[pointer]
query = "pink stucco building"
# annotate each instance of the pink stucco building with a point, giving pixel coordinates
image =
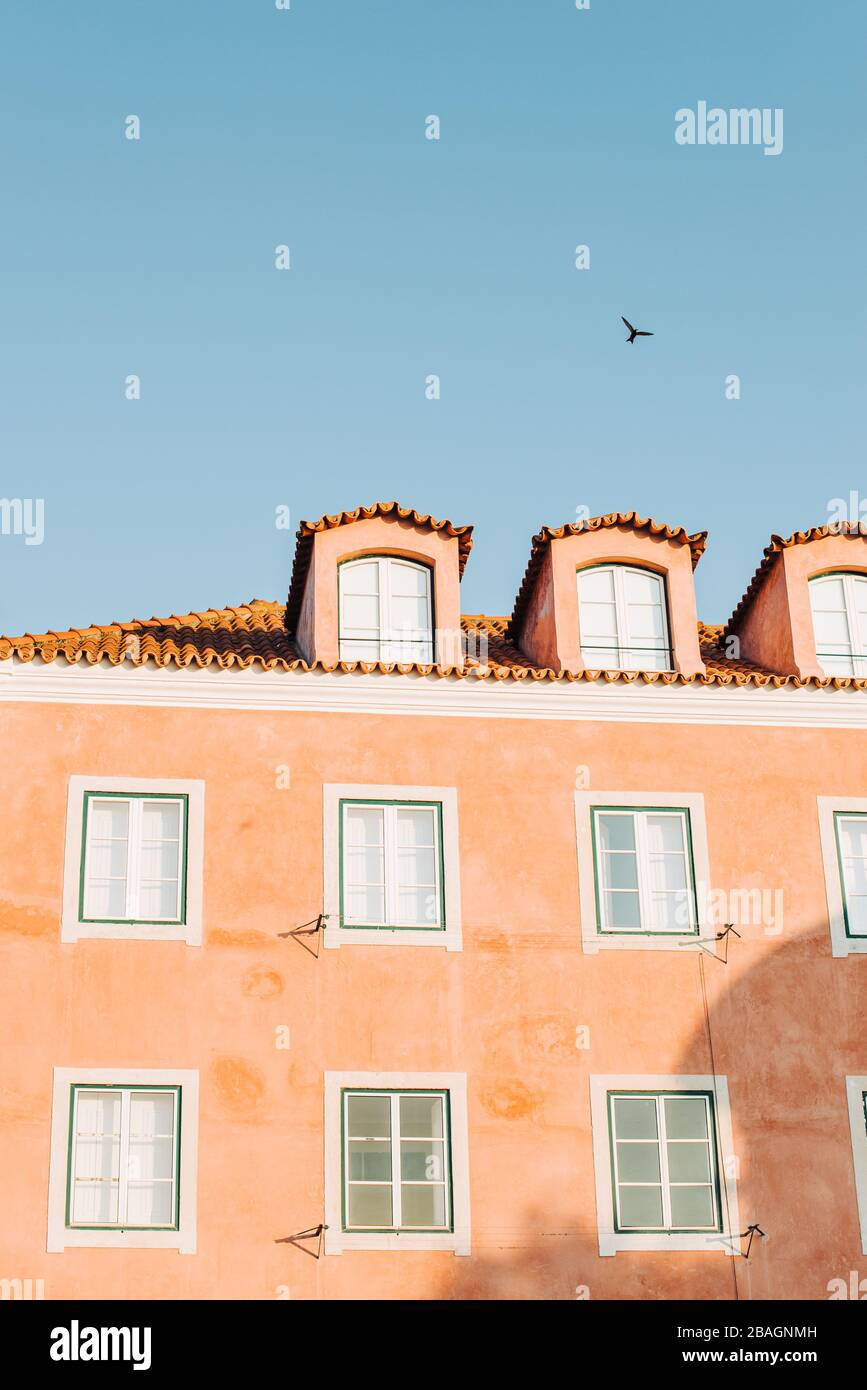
(358, 918)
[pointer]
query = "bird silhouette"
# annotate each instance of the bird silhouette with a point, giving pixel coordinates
(635, 332)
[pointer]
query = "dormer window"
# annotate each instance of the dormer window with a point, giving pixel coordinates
(623, 619)
(839, 603)
(385, 610)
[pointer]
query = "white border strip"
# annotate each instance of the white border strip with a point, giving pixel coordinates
(357, 693)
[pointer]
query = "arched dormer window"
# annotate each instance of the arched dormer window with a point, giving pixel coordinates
(623, 619)
(386, 612)
(839, 603)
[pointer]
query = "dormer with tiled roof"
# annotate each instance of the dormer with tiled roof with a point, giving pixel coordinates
(805, 611)
(378, 584)
(614, 592)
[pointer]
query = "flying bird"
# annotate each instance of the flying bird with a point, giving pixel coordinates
(635, 332)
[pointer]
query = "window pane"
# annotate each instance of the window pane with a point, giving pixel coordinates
(364, 864)
(161, 820)
(423, 1206)
(370, 1159)
(159, 860)
(416, 866)
(105, 899)
(856, 915)
(415, 825)
(622, 911)
(664, 834)
(158, 901)
(688, 1162)
(692, 1206)
(150, 1204)
(422, 1160)
(361, 615)
(621, 870)
(853, 836)
(617, 832)
(361, 578)
(641, 587)
(96, 1158)
(369, 1206)
(640, 1206)
(363, 825)
(365, 905)
(369, 1117)
(596, 586)
(107, 820)
(417, 907)
(635, 1117)
(421, 1116)
(685, 1117)
(107, 859)
(638, 1162)
(408, 580)
(598, 620)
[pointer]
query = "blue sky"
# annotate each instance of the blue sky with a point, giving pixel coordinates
(305, 388)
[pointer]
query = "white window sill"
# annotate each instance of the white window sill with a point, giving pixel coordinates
(390, 936)
(452, 1242)
(593, 944)
(713, 1242)
(127, 931)
(72, 1237)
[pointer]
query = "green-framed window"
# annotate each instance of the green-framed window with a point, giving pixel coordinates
(623, 618)
(386, 609)
(850, 830)
(133, 857)
(839, 606)
(391, 865)
(123, 1168)
(396, 1160)
(664, 1169)
(644, 871)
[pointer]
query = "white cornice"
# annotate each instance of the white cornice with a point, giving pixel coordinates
(356, 693)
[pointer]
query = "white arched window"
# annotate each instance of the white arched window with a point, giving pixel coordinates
(385, 610)
(623, 619)
(839, 603)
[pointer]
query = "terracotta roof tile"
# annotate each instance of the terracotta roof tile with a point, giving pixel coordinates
(391, 510)
(255, 634)
(776, 545)
(540, 543)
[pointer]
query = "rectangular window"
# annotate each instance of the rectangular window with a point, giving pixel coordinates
(124, 1158)
(396, 1161)
(851, 839)
(391, 865)
(643, 870)
(663, 1159)
(133, 858)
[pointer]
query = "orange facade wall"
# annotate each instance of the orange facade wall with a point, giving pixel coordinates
(786, 1021)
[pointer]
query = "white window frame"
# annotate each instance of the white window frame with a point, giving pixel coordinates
(841, 943)
(593, 940)
(618, 570)
(334, 934)
(856, 1087)
(391, 886)
(387, 637)
(73, 926)
(337, 1240)
(612, 1241)
(61, 1236)
(857, 654)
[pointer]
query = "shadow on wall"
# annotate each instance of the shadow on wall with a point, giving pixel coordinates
(786, 1024)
